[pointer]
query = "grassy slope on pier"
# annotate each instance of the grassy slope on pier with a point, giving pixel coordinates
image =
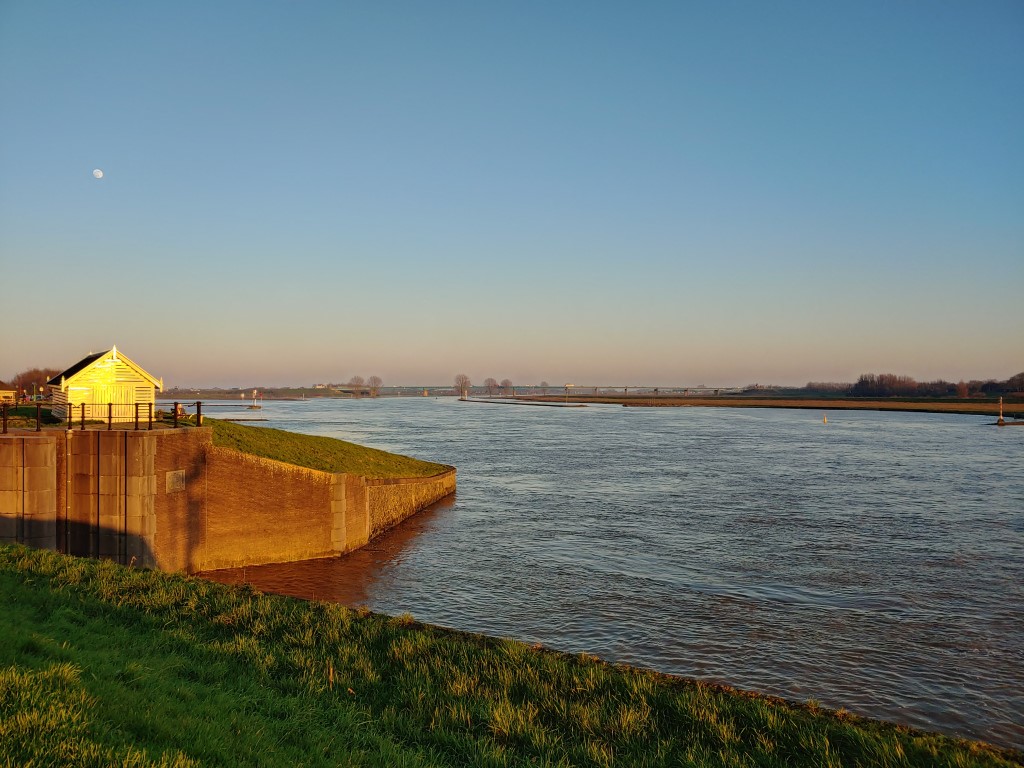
(103, 664)
(323, 453)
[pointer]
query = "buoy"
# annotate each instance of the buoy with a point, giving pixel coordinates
(824, 419)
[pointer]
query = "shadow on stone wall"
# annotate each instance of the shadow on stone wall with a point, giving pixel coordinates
(127, 549)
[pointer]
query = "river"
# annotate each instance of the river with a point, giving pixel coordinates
(874, 563)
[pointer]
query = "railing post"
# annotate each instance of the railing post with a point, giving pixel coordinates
(39, 417)
(110, 416)
(175, 415)
(199, 414)
(150, 415)
(83, 415)
(136, 417)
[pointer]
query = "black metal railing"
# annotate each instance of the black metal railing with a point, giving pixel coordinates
(131, 416)
(125, 415)
(7, 410)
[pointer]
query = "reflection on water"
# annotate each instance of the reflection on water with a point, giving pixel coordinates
(874, 563)
(347, 580)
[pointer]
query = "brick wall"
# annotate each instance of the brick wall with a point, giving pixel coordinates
(263, 511)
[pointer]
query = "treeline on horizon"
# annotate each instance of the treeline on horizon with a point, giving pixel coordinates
(868, 385)
(895, 385)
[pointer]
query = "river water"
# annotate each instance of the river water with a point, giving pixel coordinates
(875, 562)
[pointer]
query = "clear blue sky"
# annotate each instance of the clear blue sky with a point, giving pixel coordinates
(649, 193)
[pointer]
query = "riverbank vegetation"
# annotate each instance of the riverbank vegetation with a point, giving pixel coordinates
(1012, 409)
(981, 408)
(103, 664)
(894, 385)
(327, 454)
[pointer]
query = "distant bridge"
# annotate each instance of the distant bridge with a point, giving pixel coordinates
(606, 389)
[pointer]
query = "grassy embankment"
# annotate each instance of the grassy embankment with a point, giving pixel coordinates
(324, 453)
(102, 664)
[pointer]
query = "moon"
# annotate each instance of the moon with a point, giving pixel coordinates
(98, 174)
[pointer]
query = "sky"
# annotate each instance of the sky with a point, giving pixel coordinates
(657, 193)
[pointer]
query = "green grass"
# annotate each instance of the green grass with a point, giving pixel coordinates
(323, 453)
(102, 664)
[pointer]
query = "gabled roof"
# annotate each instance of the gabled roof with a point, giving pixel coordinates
(81, 365)
(62, 378)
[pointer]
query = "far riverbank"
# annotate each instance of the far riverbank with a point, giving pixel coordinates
(1011, 409)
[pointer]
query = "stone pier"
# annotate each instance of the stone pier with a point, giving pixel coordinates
(170, 499)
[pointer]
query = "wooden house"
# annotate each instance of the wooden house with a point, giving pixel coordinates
(108, 384)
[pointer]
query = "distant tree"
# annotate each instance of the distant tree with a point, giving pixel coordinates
(884, 385)
(989, 388)
(1015, 383)
(357, 384)
(33, 380)
(544, 387)
(832, 387)
(374, 383)
(961, 389)
(506, 387)
(462, 385)
(491, 385)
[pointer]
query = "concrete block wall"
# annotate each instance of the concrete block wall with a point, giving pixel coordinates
(108, 511)
(180, 498)
(28, 490)
(11, 498)
(82, 492)
(111, 494)
(140, 499)
(357, 515)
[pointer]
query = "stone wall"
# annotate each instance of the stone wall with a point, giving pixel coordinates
(172, 500)
(263, 511)
(391, 501)
(179, 499)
